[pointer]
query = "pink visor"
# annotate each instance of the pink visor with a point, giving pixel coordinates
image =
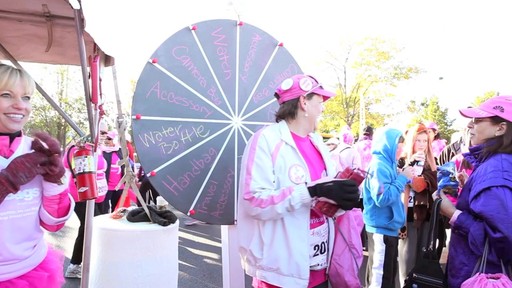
(496, 106)
(300, 85)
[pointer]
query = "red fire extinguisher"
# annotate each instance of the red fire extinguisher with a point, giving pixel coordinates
(85, 171)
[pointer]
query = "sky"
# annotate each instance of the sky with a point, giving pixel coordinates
(465, 43)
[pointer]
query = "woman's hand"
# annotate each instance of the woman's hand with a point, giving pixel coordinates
(447, 208)
(418, 156)
(462, 177)
(408, 172)
(46, 144)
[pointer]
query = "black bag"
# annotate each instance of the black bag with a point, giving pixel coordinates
(427, 272)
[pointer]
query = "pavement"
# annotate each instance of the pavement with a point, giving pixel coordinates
(199, 253)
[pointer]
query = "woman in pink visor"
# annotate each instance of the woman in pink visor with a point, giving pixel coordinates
(286, 167)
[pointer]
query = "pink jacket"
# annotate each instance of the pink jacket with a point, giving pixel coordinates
(438, 146)
(22, 244)
(346, 156)
(364, 147)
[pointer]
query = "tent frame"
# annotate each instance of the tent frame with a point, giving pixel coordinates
(92, 118)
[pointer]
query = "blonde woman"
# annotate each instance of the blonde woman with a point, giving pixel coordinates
(33, 191)
(417, 196)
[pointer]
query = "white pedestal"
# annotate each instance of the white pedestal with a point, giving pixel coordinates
(126, 254)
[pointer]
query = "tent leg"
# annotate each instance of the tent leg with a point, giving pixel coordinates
(233, 275)
(89, 214)
(86, 263)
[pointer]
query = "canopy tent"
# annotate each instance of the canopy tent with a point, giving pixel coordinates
(52, 32)
(43, 31)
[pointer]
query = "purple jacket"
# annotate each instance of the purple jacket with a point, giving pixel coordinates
(486, 205)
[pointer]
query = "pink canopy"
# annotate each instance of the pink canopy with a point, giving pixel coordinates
(43, 31)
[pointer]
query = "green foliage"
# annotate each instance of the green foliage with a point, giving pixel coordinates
(430, 110)
(66, 92)
(480, 99)
(362, 84)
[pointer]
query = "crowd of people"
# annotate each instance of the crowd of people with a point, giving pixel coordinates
(292, 194)
(287, 171)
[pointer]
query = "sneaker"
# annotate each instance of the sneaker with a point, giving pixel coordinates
(74, 271)
(191, 221)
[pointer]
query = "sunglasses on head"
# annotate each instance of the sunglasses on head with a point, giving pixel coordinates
(306, 84)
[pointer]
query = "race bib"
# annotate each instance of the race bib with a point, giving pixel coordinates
(319, 246)
(102, 187)
(410, 202)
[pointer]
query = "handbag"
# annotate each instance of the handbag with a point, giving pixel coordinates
(347, 255)
(356, 174)
(427, 272)
(482, 279)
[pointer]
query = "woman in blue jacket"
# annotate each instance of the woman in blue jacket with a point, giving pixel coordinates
(484, 207)
(384, 212)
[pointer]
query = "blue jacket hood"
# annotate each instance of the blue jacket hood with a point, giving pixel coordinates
(384, 211)
(385, 144)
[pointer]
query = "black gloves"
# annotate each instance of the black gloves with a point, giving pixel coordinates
(342, 191)
(160, 217)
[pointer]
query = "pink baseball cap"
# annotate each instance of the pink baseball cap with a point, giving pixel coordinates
(431, 125)
(112, 134)
(300, 85)
(500, 106)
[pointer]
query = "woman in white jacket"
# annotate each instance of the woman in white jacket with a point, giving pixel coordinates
(286, 167)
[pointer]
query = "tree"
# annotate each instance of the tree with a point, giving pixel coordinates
(62, 82)
(487, 95)
(430, 110)
(362, 84)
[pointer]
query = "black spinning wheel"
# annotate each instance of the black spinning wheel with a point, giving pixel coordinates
(198, 100)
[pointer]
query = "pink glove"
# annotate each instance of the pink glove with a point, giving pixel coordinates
(20, 171)
(57, 206)
(46, 144)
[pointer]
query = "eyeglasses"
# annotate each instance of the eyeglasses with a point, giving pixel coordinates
(479, 120)
(103, 132)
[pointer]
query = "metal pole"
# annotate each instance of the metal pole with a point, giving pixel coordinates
(89, 212)
(362, 115)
